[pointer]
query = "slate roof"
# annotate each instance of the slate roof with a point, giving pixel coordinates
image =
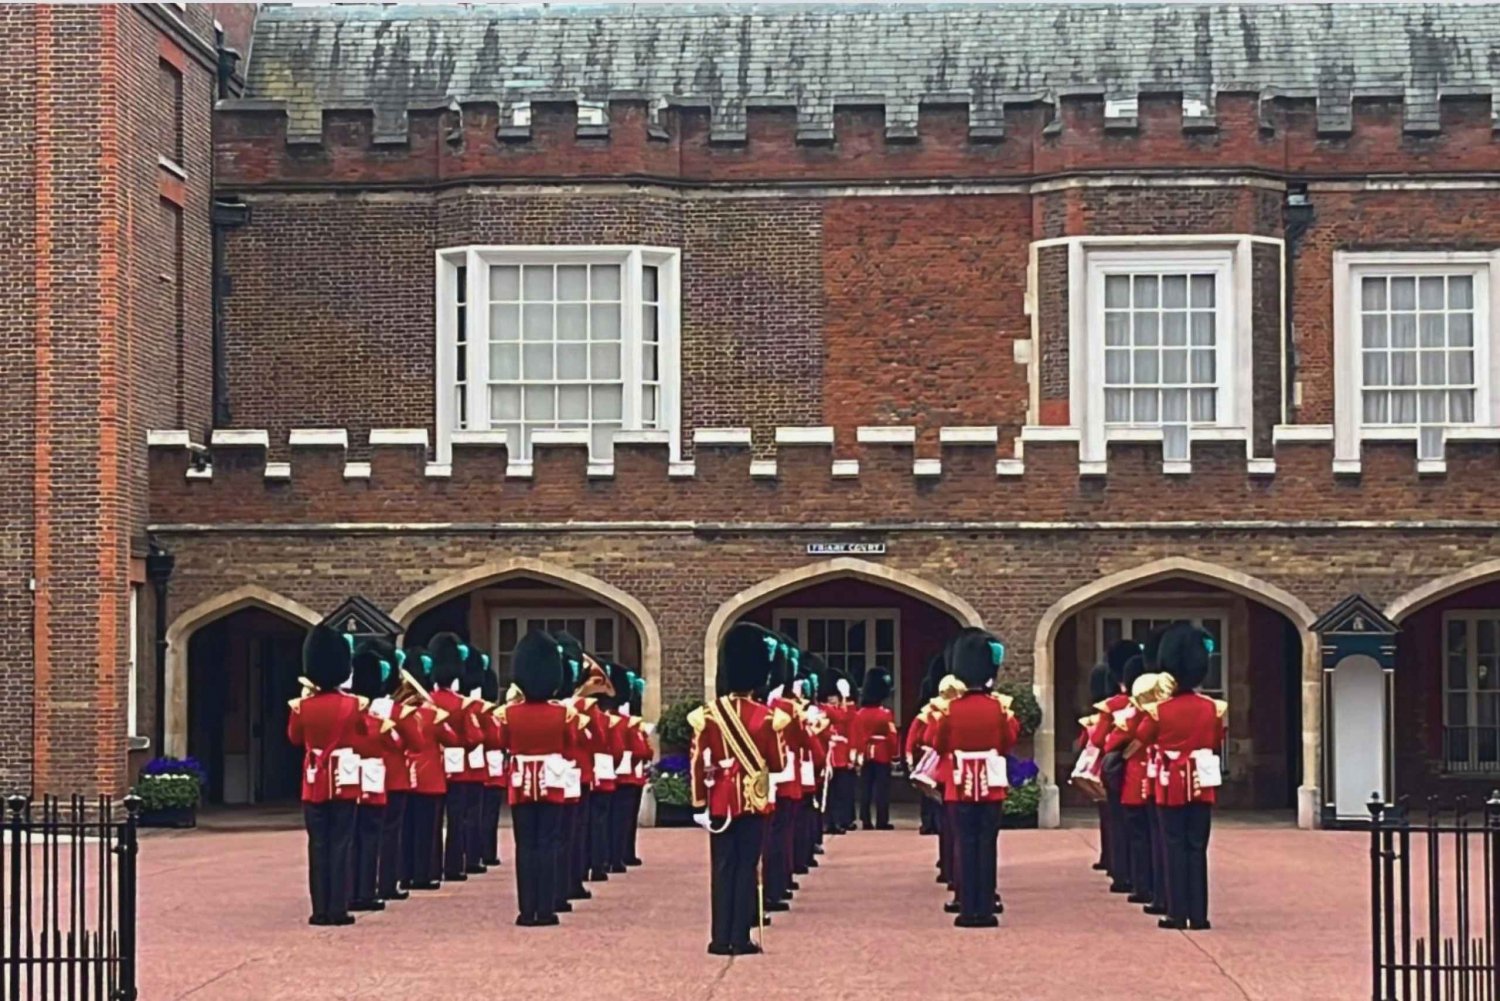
(388, 59)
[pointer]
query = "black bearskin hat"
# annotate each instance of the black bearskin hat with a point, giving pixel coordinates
(537, 666)
(475, 668)
(1184, 655)
(448, 656)
(976, 658)
(1119, 652)
(815, 671)
(419, 664)
(572, 652)
(327, 657)
(746, 658)
(784, 668)
(368, 680)
(1151, 649)
(1134, 668)
(390, 678)
(876, 689)
(933, 677)
(1099, 686)
(619, 680)
(832, 688)
(489, 681)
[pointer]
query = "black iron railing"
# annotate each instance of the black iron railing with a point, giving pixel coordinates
(67, 900)
(1435, 902)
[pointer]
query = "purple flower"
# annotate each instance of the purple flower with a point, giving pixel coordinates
(1021, 770)
(673, 763)
(175, 766)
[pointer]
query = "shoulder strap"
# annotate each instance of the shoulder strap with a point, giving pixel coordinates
(736, 736)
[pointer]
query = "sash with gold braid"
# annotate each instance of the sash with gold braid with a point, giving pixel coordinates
(755, 780)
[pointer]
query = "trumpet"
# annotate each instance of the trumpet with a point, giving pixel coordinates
(410, 692)
(595, 681)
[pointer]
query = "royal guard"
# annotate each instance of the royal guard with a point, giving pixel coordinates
(1099, 690)
(786, 786)
(580, 697)
(974, 734)
(810, 765)
(371, 676)
(333, 730)
(1138, 766)
(917, 745)
(622, 748)
(735, 749)
(398, 780)
(463, 765)
(635, 766)
(841, 765)
(1116, 657)
(492, 799)
(874, 737)
(594, 698)
(567, 885)
(425, 732)
(537, 732)
(1188, 731)
(1158, 906)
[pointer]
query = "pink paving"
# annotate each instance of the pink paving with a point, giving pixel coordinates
(223, 920)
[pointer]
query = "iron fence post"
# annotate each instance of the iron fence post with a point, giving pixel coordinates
(128, 850)
(1377, 809)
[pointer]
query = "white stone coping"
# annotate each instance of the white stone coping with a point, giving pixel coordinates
(572, 439)
(318, 438)
(969, 436)
(240, 439)
(518, 470)
(489, 438)
(681, 470)
(927, 467)
(1176, 467)
(804, 436)
(845, 468)
(601, 470)
(1010, 467)
(739, 437)
(896, 434)
(647, 437)
(168, 439)
(399, 436)
(762, 469)
(1346, 467)
(206, 473)
(356, 470)
(1051, 432)
(1432, 467)
(1260, 467)
(438, 470)
(279, 470)
(1302, 432)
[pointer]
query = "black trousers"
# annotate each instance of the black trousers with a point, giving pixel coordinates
(632, 856)
(490, 805)
(841, 791)
(1119, 840)
(929, 816)
(1138, 830)
(600, 804)
(622, 810)
(461, 826)
(801, 844)
(437, 836)
(581, 827)
(1159, 893)
(979, 854)
(419, 838)
(734, 857)
(876, 790)
(392, 831)
(778, 870)
(948, 860)
(1187, 829)
(368, 823)
(537, 828)
(330, 841)
(563, 886)
(1103, 808)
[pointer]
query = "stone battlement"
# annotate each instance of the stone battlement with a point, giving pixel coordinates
(878, 478)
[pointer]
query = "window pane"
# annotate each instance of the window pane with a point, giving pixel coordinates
(648, 323)
(573, 403)
(1377, 408)
(505, 323)
(1116, 291)
(885, 635)
(650, 276)
(1117, 367)
(572, 282)
(1372, 294)
(1145, 291)
(572, 360)
(1461, 330)
(536, 323)
(604, 635)
(505, 403)
(505, 362)
(1174, 329)
(537, 280)
(604, 361)
(1174, 367)
(1434, 367)
(1174, 406)
(572, 322)
(1403, 330)
(649, 416)
(1205, 406)
(817, 634)
(1117, 405)
(1403, 293)
(1375, 331)
(1430, 292)
(1460, 292)
(1146, 328)
(856, 636)
(608, 404)
(1377, 371)
(1431, 330)
(1203, 328)
(1174, 292)
(539, 403)
(648, 362)
(1204, 291)
(1403, 368)
(536, 362)
(1145, 403)
(605, 280)
(836, 635)
(1145, 367)
(1116, 328)
(605, 322)
(505, 286)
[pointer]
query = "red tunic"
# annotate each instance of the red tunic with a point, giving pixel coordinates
(873, 734)
(974, 734)
(839, 753)
(538, 736)
(1178, 727)
(715, 771)
(462, 764)
(1105, 723)
(494, 751)
(587, 744)
(1135, 788)
(787, 778)
(334, 733)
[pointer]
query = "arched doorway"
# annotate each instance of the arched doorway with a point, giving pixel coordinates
(855, 615)
(494, 604)
(1446, 718)
(1266, 667)
(232, 665)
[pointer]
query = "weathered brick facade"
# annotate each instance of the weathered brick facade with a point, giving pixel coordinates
(901, 279)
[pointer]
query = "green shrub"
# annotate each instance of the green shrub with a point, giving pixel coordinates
(1024, 800)
(1023, 704)
(672, 730)
(671, 789)
(168, 792)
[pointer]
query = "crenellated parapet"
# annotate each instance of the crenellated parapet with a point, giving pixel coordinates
(883, 476)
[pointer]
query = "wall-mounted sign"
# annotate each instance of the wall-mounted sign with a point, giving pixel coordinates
(846, 549)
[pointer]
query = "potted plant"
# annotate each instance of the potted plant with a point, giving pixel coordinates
(671, 789)
(1024, 799)
(170, 790)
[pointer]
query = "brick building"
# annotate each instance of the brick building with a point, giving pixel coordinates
(866, 322)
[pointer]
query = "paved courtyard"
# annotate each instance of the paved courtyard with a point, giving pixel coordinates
(223, 919)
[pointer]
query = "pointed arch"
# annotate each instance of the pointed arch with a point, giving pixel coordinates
(181, 631)
(1436, 590)
(439, 591)
(815, 573)
(1229, 579)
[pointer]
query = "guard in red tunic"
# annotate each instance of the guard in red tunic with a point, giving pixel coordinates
(427, 734)
(334, 732)
(876, 742)
(1138, 765)
(492, 799)
(810, 765)
(786, 786)
(841, 759)
(917, 744)
(1099, 690)
(1188, 730)
(537, 732)
(974, 734)
(630, 775)
(464, 765)
(370, 680)
(622, 753)
(734, 751)
(1115, 658)
(567, 885)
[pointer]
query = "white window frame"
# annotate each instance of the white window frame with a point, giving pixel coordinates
(1089, 260)
(133, 649)
(1471, 617)
(1349, 268)
(591, 614)
(869, 616)
(1194, 614)
(632, 259)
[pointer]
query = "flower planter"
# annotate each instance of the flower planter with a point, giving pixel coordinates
(1017, 821)
(177, 816)
(673, 815)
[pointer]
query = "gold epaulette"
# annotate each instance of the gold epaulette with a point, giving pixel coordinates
(1004, 700)
(570, 714)
(583, 722)
(1088, 722)
(1221, 707)
(1122, 717)
(780, 720)
(364, 703)
(386, 726)
(296, 704)
(698, 719)
(438, 715)
(1153, 709)
(822, 725)
(500, 712)
(1103, 706)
